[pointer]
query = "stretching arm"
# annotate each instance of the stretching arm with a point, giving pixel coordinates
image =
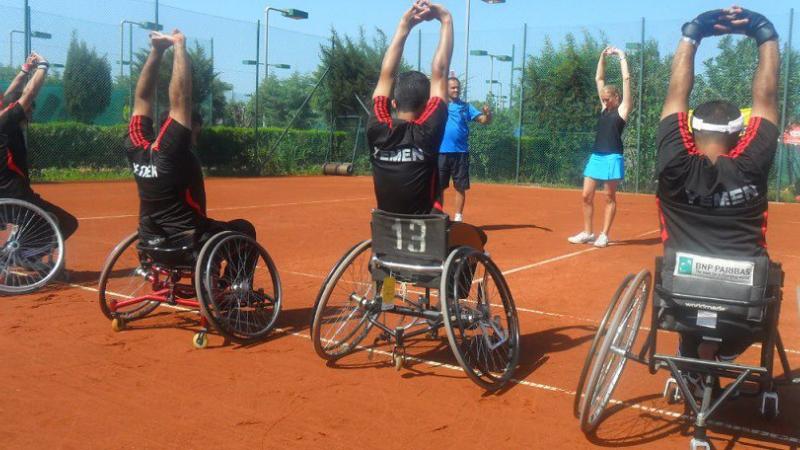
(681, 80)
(394, 53)
(444, 53)
(765, 82)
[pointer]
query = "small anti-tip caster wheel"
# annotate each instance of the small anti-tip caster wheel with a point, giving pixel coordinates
(200, 340)
(117, 324)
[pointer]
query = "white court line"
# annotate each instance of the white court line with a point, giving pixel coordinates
(233, 208)
(540, 386)
(567, 256)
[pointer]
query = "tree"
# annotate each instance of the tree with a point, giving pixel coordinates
(280, 98)
(354, 67)
(87, 82)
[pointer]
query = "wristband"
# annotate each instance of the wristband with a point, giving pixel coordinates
(690, 40)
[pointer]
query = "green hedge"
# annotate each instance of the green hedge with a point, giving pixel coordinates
(223, 150)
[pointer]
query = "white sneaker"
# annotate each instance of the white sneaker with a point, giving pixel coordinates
(458, 218)
(601, 241)
(581, 238)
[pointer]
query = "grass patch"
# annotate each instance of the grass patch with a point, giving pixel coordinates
(53, 174)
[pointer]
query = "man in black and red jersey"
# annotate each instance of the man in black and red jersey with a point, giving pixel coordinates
(17, 103)
(405, 148)
(712, 180)
(168, 175)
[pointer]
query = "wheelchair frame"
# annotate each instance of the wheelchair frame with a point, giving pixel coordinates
(26, 212)
(425, 274)
(677, 388)
(169, 286)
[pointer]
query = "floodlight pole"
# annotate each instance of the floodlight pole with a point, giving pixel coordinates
(258, 55)
(466, 56)
(511, 82)
(27, 29)
(786, 78)
(11, 46)
(521, 102)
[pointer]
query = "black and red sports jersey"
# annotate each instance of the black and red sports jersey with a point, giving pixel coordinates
(14, 181)
(169, 178)
(717, 209)
(404, 157)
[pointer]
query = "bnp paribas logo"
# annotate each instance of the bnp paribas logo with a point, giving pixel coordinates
(685, 265)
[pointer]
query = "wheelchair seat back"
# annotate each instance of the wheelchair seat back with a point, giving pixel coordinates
(713, 293)
(410, 248)
(174, 251)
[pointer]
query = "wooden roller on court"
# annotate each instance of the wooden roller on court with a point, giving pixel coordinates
(335, 168)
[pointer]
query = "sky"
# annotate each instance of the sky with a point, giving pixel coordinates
(232, 26)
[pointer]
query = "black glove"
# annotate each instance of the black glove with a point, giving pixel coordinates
(758, 27)
(703, 25)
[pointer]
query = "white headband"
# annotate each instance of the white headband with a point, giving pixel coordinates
(732, 127)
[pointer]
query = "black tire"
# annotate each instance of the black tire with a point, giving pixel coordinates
(239, 287)
(485, 344)
(600, 334)
(125, 276)
(31, 247)
(341, 317)
(621, 335)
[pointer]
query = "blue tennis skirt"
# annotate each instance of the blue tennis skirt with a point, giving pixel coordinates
(605, 167)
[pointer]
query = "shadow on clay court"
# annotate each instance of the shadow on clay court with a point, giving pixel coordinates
(512, 227)
(638, 428)
(289, 321)
(642, 242)
(534, 348)
(622, 426)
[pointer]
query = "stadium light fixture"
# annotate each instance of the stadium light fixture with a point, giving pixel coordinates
(34, 34)
(280, 66)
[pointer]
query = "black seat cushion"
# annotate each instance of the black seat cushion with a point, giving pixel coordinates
(175, 251)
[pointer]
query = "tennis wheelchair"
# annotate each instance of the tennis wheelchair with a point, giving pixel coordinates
(31, 247)
(230, 278)
(392, 284)
(710, 299)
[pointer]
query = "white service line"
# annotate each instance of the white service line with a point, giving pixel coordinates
(567, 256)
(233, 208)
(531, 384)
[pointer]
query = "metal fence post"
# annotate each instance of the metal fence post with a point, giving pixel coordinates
(419, 50)
(521, 102)
(786, 76)
(211, 89)
(27, 31)
(639, 112)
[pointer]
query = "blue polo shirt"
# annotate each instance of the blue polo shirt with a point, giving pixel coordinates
(456, 133)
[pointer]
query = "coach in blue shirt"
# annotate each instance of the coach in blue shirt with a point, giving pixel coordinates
(454, 151)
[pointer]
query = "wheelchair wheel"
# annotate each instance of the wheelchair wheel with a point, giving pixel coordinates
(31, 247)
(126, 275)
(239, 288)
(612, 353)
(602, 329)
(341, 315)
(479, 317)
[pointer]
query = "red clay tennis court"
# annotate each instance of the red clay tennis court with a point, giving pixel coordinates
(72, 382)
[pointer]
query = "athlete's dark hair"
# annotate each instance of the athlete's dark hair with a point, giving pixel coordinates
(454, 79)
(411, 91)
(717, 112)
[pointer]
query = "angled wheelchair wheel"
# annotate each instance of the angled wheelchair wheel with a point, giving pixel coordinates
(31, 247)
(239, 288)
(602, 330)
(344, 305)
(127, 276)
(612, 353)
(479, 317)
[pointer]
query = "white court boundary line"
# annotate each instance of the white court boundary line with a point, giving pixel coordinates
(235, 208)
(540, 386)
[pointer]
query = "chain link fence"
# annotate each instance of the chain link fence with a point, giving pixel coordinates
(301, 103)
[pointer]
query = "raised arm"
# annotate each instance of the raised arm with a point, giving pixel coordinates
(18, 82)
(765, 81)
(35, 83)
(709, 23)
(146, 85)
(444, 52)
(394, 53)
(600, 76)
(627, 95)
(681, 80)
